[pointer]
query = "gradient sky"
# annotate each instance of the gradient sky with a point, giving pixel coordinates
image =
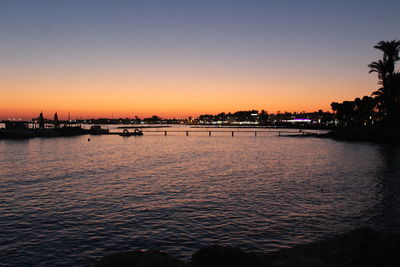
(184, 58)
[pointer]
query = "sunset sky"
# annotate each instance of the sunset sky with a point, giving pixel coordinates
(184, 58)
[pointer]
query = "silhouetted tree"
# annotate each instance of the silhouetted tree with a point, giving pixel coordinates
(390, 51)
(263, 117)
(153, 120)
(396, 92)
(364, 110)
(387, 96)
(345, 112)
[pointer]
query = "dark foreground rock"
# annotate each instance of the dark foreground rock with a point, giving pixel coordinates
(226, 256)
(139, 259)
(361, 247)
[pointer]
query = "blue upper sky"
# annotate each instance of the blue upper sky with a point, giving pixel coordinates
(249, 37)
(264, 29)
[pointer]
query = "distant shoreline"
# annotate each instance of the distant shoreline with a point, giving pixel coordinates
(296, 127)
(142, 127)
(389, 136)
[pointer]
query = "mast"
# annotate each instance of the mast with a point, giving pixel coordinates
(56, 121)
(41, 120)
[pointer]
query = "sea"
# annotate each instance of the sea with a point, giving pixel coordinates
(68, 201)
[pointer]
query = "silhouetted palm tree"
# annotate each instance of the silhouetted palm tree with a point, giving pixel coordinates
(386, 99)
(381, 68)
(390, 51)
(395, 84)
(387, 95)
(379, 97)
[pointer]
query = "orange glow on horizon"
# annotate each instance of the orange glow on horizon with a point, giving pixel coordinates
(168, 97)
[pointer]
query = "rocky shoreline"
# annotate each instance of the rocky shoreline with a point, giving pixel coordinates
(360, 247)
(374, 135)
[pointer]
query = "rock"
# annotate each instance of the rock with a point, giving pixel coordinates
(361, 247)
(140, 259)
(376, 135)
(218, 256)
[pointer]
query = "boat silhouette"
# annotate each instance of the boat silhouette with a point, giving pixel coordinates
(96, 129)
(136, 132)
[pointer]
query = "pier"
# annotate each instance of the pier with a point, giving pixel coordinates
(232, 132)
(21, 130)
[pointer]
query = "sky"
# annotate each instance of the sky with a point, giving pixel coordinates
(175, 58)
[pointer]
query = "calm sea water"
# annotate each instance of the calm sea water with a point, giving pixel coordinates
(67, 201)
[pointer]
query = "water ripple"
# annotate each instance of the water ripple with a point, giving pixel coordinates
(84, 200)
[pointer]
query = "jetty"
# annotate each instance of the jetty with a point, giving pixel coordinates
(41, 127)
(230, 132)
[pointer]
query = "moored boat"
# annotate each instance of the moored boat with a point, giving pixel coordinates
(96, 129)
(72, 131)
(16, 130)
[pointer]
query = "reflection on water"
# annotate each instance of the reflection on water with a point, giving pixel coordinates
(68, 196)
(388, 175)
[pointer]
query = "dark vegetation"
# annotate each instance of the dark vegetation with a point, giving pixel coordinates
(374, 118)
(382, 108)
(361, 247)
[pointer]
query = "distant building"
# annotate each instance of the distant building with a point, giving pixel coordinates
(16, 125)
